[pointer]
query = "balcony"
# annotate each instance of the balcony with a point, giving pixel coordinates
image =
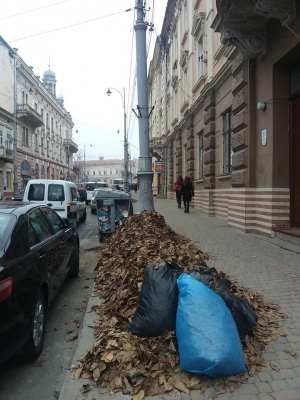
(6, 154)
(30, 115)
(243, 23)
(72, 146)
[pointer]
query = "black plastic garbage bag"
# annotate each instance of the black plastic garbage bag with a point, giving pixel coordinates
(157, 305)
(204, 275)
(243, 313)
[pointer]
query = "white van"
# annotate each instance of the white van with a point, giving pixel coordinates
(90, 187)
(61, 196)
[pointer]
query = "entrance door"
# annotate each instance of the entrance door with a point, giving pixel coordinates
(295, 164)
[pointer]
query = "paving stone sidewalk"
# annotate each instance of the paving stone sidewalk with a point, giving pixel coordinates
(268, 266)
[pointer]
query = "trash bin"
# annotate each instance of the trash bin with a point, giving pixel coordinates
(113, 206)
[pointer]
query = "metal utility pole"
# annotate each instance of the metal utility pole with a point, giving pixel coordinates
(145, 173)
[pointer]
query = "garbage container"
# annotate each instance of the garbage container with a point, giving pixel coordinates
(113, 206)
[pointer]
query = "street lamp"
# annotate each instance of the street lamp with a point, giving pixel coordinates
(125, 138)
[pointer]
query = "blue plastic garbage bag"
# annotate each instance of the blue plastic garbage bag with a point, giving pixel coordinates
(207, 336)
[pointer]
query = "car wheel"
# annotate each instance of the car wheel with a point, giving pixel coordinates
(83, 218)
(74, 263)
(35, 344)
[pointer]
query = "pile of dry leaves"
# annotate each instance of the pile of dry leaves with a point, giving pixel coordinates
(120, 361)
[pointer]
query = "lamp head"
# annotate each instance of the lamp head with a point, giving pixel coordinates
(108, 92)
(261, 105)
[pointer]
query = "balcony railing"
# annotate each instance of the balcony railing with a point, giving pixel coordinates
(30, 114)
(72, 146)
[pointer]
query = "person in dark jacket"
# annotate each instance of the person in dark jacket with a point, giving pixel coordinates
(187, 193)
(177, 188)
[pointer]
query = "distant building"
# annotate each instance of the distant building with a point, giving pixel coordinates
(103, 170)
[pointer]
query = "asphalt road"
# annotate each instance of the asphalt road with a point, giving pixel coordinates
(43, 379)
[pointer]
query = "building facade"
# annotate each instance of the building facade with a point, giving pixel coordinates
(103, 170)
(35, 128)
(225, 85)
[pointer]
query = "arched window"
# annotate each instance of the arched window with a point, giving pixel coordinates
(36, 171)
(43, 171)
(25, 168)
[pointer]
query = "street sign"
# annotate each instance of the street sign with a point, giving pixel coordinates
(68, 177)
(158, 167)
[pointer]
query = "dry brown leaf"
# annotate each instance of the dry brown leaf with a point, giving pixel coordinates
(275, 367)
(141, 239)
(181, 386)
(291, 352)
(96, 374)
(139, 396)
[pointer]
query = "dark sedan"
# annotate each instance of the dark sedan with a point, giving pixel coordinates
(37, 252)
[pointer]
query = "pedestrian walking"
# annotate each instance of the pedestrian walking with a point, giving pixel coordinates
(177, 188)
(187, 193)
(135, 187)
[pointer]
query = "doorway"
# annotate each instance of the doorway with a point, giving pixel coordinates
(294, 162)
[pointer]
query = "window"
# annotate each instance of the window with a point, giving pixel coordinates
(48, 148)
(55, 221)
(25, 136)
(186, 86)
(36, 192)
(42, 145)
(38, 230)
(47, 120)
(1, 138)
(36, 142)
(200, 58)
(19, 243)
(56, 192)
(201, 160)
(227, 150)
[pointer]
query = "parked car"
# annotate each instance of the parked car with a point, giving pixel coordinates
(91, 186)
(93, 200)
(38, 251)
(61, 196)
(18, 196)
(82, 191)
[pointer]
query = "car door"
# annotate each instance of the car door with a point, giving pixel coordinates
(56, 198)
(18, 270)
(65, 240)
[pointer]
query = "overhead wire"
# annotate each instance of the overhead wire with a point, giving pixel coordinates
(71, 26)
(32, 10)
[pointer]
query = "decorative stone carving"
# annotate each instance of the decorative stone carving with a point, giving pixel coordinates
(250, 41)
(183, 58)
(249, 36)
(285, 10)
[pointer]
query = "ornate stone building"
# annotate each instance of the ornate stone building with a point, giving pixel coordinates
(35, 128)
(225, 85)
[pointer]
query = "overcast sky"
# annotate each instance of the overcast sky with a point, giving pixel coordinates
(91, 46)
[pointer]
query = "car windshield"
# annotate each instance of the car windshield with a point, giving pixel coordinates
(7, 222)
